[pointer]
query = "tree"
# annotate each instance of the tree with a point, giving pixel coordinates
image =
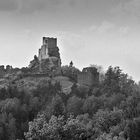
(104, 120)
(112, 78)
(7, 127)
(70, 72)
(34, 107)
(117, 82)
(74, 105)
(114, 101)
(130, 107)
(132, 129)
(92, 104)
(100, 70)
(10, 105)
(57, 128)
(57, 106)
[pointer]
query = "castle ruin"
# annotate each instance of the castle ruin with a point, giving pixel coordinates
(88, 77)
(48, 63)
(48, 49)
(48, 59)
(7, 70)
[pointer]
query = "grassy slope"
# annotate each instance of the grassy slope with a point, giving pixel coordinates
(30, 83)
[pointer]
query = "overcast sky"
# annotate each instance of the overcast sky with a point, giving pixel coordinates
(102, 32)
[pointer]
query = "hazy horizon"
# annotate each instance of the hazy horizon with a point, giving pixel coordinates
(102, 32)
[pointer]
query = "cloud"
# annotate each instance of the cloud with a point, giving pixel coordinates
(27, 5)
(93, 28)
(127, 8)
(105, 27)
(30, 6)
(132, 7)
(108, 27)
(73, 40)
(8, 5)
(124, 30)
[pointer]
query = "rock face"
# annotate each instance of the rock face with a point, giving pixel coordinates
(48, 60)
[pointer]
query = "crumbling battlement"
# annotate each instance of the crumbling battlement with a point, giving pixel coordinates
(88, 77)
(7, 70)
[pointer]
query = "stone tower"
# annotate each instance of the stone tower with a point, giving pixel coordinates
(47, 45)
(48, 60)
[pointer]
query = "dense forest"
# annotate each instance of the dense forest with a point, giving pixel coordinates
(108, 111)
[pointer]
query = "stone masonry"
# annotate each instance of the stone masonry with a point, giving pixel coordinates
(48, 59)
(88, 77)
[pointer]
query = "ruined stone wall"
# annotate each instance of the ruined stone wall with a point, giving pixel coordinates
(85, 79)
(7, 70)
(50, 65)
(43, 52)
(88, 77)
(2, 71)
(52, 42)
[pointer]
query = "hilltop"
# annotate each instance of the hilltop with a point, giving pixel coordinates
(48, 101)
(47, 66)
